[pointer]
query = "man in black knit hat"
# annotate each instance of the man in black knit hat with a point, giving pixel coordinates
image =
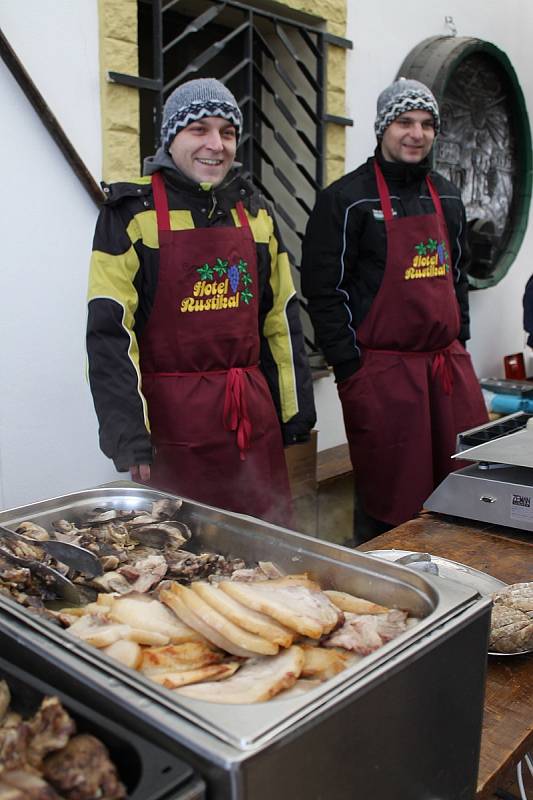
(195, 349)
(384, 272)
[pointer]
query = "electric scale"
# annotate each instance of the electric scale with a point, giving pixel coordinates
(498, 486)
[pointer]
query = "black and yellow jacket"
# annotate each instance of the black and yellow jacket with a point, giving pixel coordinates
(122, 285)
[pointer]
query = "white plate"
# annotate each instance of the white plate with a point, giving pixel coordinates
(485, 584)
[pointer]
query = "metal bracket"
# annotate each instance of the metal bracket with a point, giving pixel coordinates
(135, 81)
(346, 121)
(451, 25)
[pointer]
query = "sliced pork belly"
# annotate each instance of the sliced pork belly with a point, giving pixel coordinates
(128, 653)
(365, 633)
(175, 657)
(322, 664)
(213, 672)
(242, 616)
(171, 596)
(140, 611)
(234, 633)
(257, 681)
(97, 630)
(294, 601)
(354, 605)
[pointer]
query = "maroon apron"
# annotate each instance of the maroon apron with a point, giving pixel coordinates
(416, 388)
(214, 427)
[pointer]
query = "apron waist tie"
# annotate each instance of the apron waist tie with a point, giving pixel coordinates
(235, 416)
(441, 363)
(236, 409)
(442, 367)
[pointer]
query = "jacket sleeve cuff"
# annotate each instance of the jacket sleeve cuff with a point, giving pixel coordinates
(141, 455)
(345, 370)
(290, 437)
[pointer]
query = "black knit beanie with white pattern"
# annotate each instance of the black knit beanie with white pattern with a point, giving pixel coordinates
(202, 97)
(404, 95)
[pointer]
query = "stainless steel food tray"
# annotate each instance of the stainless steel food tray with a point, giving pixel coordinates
(433, 600)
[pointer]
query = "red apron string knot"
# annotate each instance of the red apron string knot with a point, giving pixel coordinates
(442, 367)
(235, 409)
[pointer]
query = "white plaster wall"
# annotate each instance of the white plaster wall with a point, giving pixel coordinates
(48, 431)
(383, 33)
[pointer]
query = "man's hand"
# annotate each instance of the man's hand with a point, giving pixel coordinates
(140, 472)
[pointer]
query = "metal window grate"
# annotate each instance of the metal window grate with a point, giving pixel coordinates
(275, 67)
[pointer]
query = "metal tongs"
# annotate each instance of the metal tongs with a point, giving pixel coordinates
(418, 561)
(72, 555)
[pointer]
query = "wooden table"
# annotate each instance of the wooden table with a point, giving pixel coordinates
(506, 554)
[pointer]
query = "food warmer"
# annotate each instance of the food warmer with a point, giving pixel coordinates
(148, 771)
(402, 723)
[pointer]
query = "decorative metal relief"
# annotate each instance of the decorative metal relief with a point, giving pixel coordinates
(477, 152)
(484, 146)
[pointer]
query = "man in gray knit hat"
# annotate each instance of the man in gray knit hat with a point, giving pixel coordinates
(385, 273)
(196, 355)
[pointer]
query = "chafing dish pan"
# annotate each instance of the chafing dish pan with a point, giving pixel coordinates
(147, 771)
(372, 727)
(240, 536)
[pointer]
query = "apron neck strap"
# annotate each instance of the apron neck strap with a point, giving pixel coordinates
(384, 197)
(383, 191)
(243, 219)
(161, 205)
(434, 196)
(160, 202)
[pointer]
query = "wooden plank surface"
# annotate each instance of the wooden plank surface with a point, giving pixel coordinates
(506, 554)
(333, 463)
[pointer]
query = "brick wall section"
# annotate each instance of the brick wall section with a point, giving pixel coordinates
(120, 104)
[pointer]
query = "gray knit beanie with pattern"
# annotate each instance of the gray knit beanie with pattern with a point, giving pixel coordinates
(202, 97)
(404, 95)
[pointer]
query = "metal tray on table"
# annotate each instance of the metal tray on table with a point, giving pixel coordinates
(427, 597)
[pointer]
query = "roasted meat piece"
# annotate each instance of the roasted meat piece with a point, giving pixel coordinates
(30, 786)
(13, 742)
(5, 699)
(364, 633)
(49, 729)
(83, 771)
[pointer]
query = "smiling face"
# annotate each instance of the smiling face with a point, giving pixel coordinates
(205, 150)
(409, 138)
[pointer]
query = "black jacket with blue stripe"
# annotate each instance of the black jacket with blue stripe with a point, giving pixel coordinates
(345, 251)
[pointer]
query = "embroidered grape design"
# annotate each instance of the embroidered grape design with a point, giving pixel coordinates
(440, 252)
(233, 275)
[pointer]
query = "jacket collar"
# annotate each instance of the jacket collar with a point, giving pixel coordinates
(398, 172)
